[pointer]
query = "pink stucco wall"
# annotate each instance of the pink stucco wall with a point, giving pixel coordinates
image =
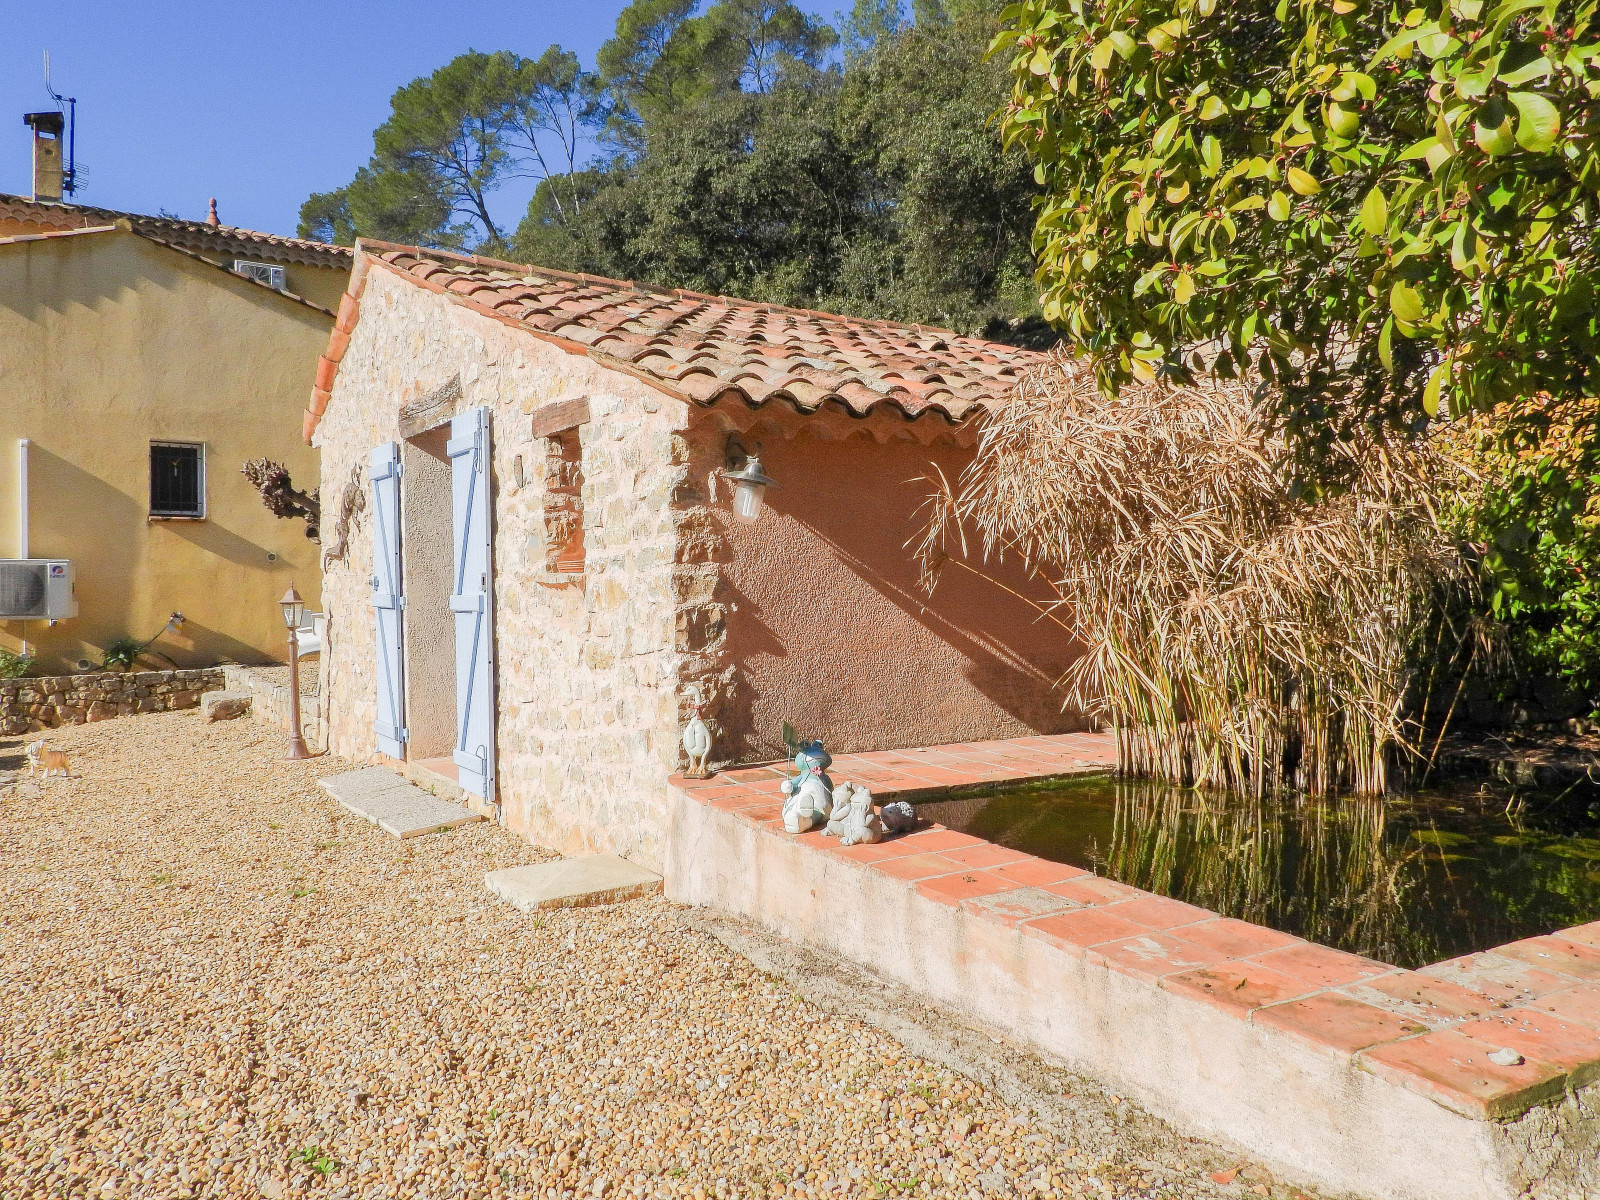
(828, 627)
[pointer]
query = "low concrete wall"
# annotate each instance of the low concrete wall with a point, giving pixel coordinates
(1230, 1030)
(29, 705)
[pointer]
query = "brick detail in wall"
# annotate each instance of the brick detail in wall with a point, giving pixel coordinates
(563, 503)
(29, 705)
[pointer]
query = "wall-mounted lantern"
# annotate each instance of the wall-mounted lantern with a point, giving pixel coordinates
(750, 482)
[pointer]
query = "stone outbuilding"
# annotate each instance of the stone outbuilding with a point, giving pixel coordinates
(532, 566)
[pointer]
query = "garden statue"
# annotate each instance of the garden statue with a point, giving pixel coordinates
(697, 739)
(808, 796)
(862, 826)
(898, 817)
(840, 815)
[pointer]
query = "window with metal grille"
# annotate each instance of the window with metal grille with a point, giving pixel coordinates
(177, 480)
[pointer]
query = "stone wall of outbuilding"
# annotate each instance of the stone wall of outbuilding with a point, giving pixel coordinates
(588, 663)
(50, 701)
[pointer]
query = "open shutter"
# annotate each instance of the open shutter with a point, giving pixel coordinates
(387, 599)
(472, 602)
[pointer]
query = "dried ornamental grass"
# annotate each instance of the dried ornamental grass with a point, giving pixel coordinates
(1235, 634)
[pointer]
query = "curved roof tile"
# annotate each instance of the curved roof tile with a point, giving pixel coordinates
(706, 348)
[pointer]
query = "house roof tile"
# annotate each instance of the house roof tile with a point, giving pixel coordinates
(29, 216)
(710, 348)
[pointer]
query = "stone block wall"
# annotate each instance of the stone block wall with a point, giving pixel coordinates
(269, 699)
(588, 660)
(29, 705)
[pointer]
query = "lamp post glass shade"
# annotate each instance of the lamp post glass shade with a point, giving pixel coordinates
(294, 608)
(749, 490)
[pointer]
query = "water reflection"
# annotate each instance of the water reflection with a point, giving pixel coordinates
(1408, 880)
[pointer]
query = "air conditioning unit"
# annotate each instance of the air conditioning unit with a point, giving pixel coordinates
(36, 589)
(273, 277)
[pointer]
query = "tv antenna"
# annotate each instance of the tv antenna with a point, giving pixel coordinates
(69, 177)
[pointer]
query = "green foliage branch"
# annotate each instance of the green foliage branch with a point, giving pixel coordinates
(1385, 213)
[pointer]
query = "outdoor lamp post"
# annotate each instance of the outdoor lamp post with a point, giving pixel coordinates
(294, 609)
(749, 489)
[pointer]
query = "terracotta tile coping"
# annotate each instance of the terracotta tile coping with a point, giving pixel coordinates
(1432, 1031)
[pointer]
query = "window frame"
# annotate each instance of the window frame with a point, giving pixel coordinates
(200, 480)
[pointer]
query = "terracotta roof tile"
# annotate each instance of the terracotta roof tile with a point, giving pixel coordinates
(24, 215)
(709, 348)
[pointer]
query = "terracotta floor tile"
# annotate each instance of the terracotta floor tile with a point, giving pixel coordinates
(1433, 1002)
(1237, 938)
(917, 866)
(755, 774)
(943, 839)
(1588, 935)
(1579, 1005)
(1573, 1048)
(1556, 954)
(875, 851)
(1336, 1022)
(1019, 904)
(1322, 966)
(1152, 955)
(1499, 977)
(1162, 912)
(1236, 987)
(1455, 1070)
(736, 799)
(986, 855)
(760, 814)
(1095, 889)
(953, 889)
(1081, 928)
(1037, 872)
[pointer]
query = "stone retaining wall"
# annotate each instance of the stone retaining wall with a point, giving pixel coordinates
(29, 705)
(269, 699)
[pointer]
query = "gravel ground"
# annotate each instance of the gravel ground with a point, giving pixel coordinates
(215, 982)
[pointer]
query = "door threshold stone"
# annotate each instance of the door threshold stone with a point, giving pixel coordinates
(572, 882)
(395, 806)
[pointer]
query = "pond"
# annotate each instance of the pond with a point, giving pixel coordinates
(1408, 880)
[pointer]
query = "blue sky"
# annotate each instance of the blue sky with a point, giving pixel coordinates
(256, 104)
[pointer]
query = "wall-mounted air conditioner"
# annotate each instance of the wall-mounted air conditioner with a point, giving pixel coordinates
(36, 589)
(273, 277)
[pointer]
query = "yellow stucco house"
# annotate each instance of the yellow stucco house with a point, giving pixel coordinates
(143, 361)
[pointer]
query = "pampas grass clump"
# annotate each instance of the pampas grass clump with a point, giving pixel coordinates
(1235, 635)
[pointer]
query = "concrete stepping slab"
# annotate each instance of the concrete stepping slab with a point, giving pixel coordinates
(394, 805)
(572, 882)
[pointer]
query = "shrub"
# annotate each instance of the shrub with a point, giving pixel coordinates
(14, 665)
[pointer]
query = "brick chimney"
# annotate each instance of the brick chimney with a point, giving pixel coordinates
(47, 127)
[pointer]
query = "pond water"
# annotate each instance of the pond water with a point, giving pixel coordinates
(1408, 880)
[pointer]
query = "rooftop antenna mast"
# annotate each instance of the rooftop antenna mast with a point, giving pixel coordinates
(69, 177)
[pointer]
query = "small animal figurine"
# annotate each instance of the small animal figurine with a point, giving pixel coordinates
(808, 796)
(43, 760)
(898, 817)
(862, 826)
(840, 816)
(697, 739)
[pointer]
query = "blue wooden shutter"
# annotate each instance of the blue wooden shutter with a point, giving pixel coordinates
(387, 598)
(472, 602)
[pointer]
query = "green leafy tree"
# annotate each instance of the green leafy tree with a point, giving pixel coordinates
(881, 190)
(385, 203)
(454, 136)
(446, 128)
(1539, 521)
(1385, 213)
(664, 57)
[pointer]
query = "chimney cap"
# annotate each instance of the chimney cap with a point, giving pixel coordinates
(45, 122)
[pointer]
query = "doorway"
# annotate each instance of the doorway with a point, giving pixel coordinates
(429, 625)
